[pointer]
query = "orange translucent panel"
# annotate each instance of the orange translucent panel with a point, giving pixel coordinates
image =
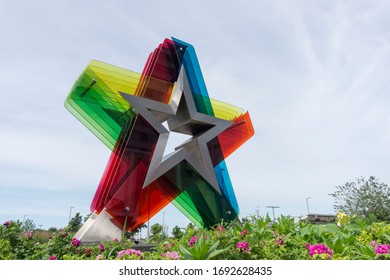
(231, 139)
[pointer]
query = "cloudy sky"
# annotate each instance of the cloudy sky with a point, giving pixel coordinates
(314, 76)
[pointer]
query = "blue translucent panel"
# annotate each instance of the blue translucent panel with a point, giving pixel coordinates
(225, 184)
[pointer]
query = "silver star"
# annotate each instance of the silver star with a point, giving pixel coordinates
(181, 116)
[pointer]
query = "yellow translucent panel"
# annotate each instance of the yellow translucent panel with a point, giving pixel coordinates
(225, 111)
(116, 78)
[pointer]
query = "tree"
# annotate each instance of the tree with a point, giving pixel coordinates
(177, 232)
(75, 222)
(87, 217)
(365, 198)
(156, 229)
(133, 234)
(52, 229)
(190, 226)
(29, 225)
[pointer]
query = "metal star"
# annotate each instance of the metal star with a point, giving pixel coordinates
(126, 111)
(182, 117)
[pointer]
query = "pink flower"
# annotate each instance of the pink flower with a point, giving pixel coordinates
(280, 241)
(193, 240)
(220, 228)
(30, 235)
(52, 258)
(166, 245)
(372, 243)
(116, 240)
(75, 242)
(129, 252)
(101, 247)
(172, 255)
(243, 246)
(6, 223)
(99, 257)
(244, 232)
(382, 249)
(318, 249)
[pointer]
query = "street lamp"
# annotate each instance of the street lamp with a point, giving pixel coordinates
(258, 211)
(307, 204)
(126, 210)
(163, 223)
(148, 232)
(70, 212)
(273, 210)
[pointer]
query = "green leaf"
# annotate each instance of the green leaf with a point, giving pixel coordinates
(338, 246)
(332, 228)
(112, 250)
(214, 246)
(216, 253)
(187, 254)
(306, 231)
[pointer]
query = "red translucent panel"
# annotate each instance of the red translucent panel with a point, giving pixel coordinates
(121, 186)
(231, 139)
(143, 203)
(132, 154)
(160, 73)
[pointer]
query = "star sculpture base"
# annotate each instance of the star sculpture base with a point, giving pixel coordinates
(126, 111)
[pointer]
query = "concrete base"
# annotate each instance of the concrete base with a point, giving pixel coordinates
(99, 228)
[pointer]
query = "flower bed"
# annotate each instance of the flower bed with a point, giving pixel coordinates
(254, 239)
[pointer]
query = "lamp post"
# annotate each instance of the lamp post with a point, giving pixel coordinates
(258, 211)
(307, 204)
(126, 210)
(273, 210)
(163, 222)
(148, 232)
(70, 212)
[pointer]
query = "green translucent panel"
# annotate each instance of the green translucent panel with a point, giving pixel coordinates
(199, 201)
(219, 109)
(185, 205)
(96, 102)
(203, 104)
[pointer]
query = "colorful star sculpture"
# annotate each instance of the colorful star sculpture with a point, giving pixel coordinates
(126, 111)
